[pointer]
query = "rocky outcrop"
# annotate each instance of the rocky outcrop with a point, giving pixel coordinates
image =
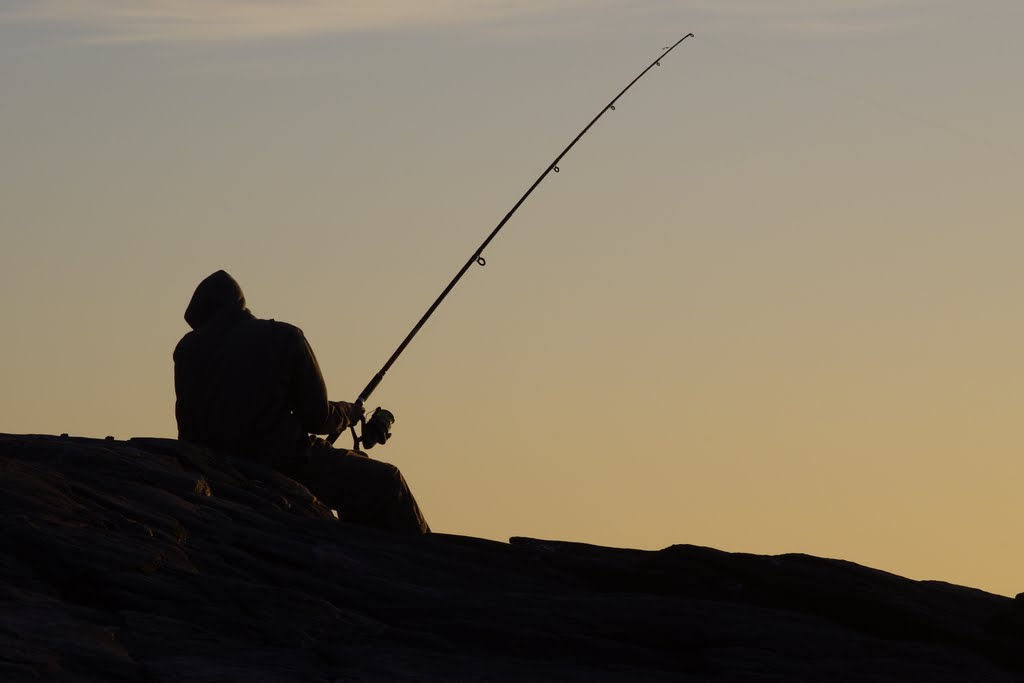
(151, 560)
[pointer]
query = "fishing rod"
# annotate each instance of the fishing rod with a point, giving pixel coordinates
(381, 420)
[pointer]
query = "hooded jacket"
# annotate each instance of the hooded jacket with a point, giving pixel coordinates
(247, 387)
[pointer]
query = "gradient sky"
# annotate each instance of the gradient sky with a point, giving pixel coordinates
(770, 304)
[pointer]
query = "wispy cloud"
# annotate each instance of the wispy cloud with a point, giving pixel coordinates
(213, 20)
(812, 17)
(199, 20)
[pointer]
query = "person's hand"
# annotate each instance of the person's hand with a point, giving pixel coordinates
(350, 414)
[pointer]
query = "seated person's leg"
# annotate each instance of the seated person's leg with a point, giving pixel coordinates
(363, 491)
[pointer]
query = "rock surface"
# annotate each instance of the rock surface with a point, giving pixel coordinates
(150, 560)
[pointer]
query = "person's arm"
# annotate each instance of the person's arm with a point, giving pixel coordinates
(317, 414)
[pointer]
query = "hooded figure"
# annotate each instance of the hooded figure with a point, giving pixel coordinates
(253, 389)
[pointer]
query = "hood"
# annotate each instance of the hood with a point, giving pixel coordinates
(216, 295)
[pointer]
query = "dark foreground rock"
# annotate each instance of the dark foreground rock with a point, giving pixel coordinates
(149, 560)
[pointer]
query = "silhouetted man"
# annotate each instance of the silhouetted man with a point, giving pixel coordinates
(253, 389)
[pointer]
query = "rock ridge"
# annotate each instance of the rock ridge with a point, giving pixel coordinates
(152, 560)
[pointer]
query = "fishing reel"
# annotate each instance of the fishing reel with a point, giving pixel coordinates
(376, 430)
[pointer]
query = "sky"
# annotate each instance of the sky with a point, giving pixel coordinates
(770, 304)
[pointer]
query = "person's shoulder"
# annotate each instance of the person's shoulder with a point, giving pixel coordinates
(279, 327)
(285, 332)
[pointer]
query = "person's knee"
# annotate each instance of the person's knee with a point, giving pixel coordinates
(393, 474)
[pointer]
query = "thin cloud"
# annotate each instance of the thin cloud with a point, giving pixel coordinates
(810, 17)
(133, 21)
(203, 20)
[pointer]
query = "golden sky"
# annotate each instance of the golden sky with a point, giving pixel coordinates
(770, 304)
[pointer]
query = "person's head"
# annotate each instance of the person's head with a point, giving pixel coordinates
(216, 295)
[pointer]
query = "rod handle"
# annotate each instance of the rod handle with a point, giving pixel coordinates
(370, 388)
